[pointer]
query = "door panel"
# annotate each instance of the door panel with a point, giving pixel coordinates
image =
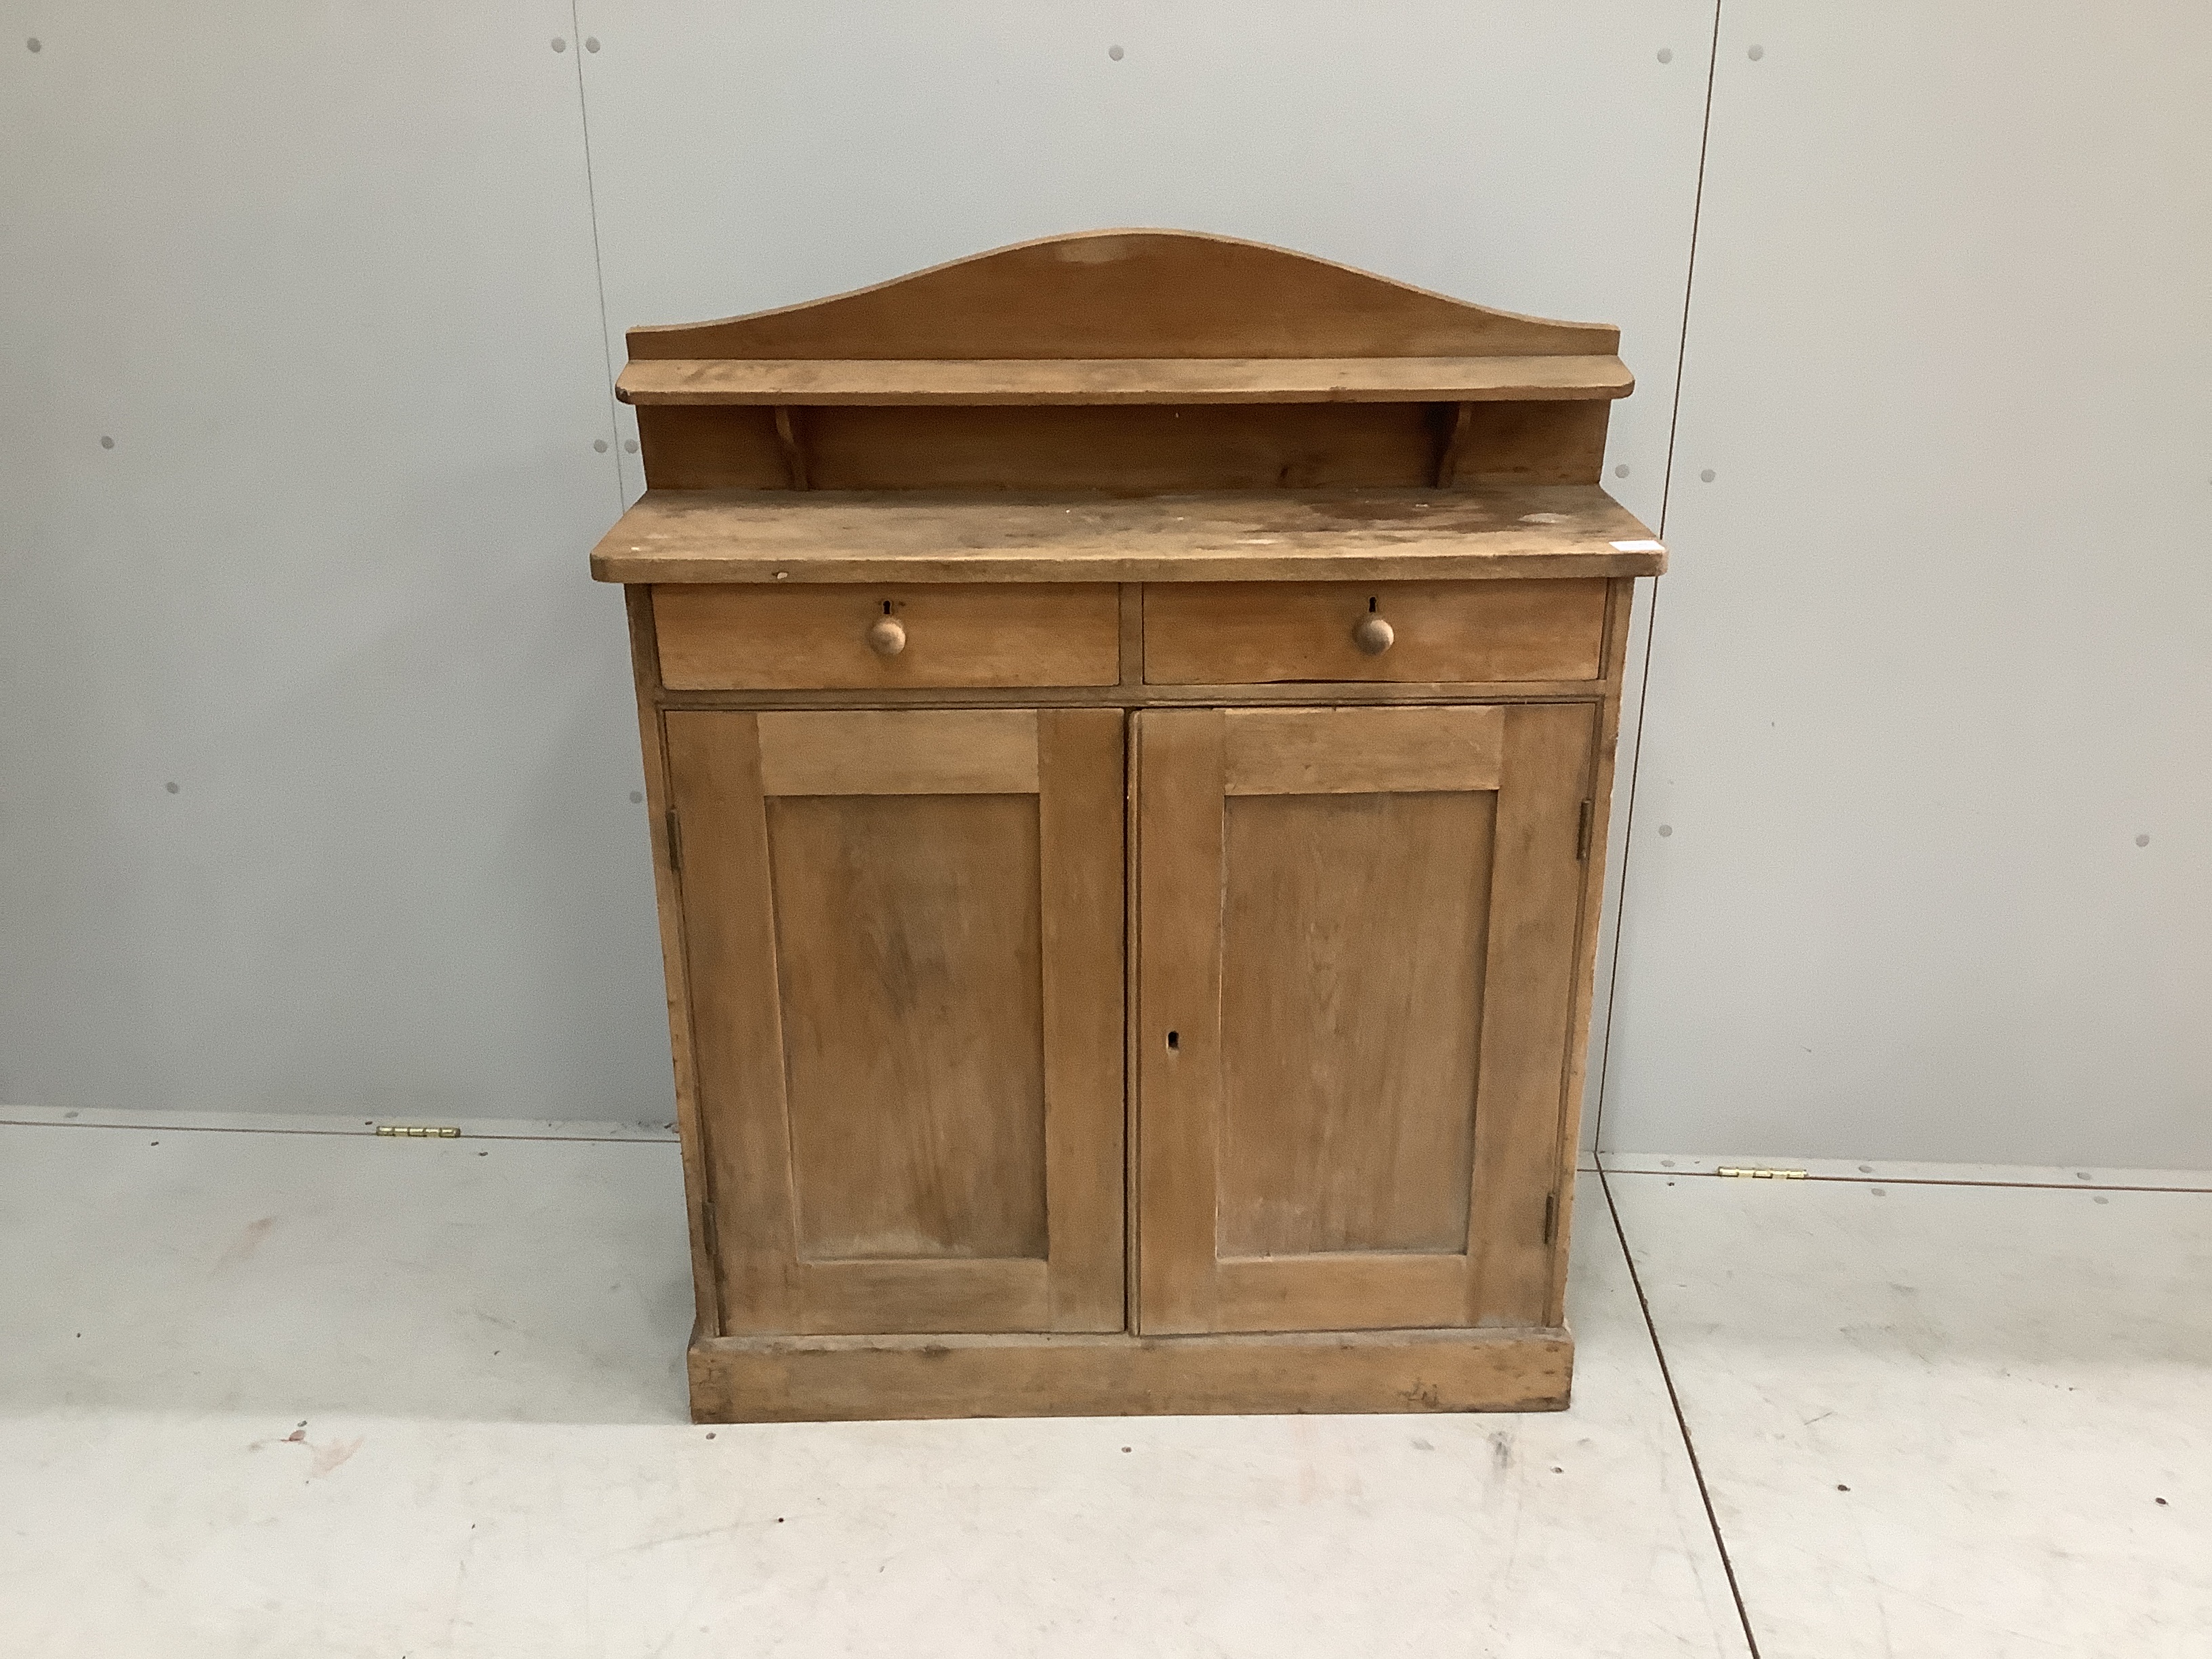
(905, 928)
(914, 1059)
(1358, 942)
(1350, 919)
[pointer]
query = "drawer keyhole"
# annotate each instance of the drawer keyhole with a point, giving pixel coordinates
(1175, 1039)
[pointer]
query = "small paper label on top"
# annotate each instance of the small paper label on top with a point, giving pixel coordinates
(1639, 547)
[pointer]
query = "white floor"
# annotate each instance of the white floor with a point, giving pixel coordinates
(292, 1393)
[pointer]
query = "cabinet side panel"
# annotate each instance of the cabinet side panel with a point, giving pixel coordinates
(737, 1041)
(1535, 914)
(1587, 1001)
(1080, 815)
(1352, 995)
(645, 667)
(909, 940)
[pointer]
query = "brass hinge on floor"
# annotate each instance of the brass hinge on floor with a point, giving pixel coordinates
(1759, 1175)
(419, 1131)
(1583, 832)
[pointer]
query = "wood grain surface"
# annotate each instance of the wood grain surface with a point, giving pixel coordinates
(1354, 1014)
(880, 382)
(1352, 996)
(736, 1380)
(1134, 292)
(905, 933)
(773, 638)
(1480, 533)
(1361, 751)
(1227, 633)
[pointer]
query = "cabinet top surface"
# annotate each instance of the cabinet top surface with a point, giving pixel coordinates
(789, 536)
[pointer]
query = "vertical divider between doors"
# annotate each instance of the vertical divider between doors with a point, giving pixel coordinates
(1133, 956)
(1180, 876)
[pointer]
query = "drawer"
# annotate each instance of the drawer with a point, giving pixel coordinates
(1455, 632)
(723, 637)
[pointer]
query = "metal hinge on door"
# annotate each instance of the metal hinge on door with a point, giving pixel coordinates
(419, 1131)
(1733, 1173)
(675, 841)
(1582, 831)
(1551, 1217)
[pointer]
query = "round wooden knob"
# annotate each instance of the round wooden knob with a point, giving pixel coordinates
(886, 636)
(1373, 635)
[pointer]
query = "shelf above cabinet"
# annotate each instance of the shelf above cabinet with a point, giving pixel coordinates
(1521, 379)
(824, 536)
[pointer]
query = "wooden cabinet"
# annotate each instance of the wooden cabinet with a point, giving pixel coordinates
(1128, 768)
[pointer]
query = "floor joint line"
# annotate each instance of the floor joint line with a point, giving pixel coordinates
(1681, 1422)
(364, 1134)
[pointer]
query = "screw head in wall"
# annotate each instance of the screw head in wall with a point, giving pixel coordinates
(1707, 475)
(34, 44)
(629, 445)
(559, 45)
(1620, 471)
(1114, 52)
(591, 43)
(599, 444)
(1666, 55)
(1757, 52)
(107, 443)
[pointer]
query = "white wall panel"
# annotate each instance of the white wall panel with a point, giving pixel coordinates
(1922, 862)
(1543, 159)
(1933, 655)
(1538, 158)
(325, 275)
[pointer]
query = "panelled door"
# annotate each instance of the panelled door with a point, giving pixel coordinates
(904, 937)
(1357, 947)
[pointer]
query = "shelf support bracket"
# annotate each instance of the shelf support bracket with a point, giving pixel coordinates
(794, 453)
(1454, 447)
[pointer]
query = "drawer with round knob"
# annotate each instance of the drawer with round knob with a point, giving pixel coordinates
(730, 637)
(1418, 632)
